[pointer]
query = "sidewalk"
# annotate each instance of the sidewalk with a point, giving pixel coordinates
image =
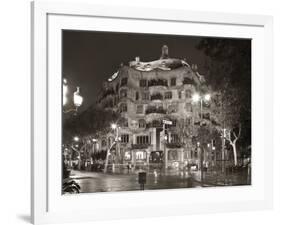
(214, 178)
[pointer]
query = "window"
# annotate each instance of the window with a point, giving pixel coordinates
(124, 81)
(139, 109)
(143, 83)
(188, 94)
(187, 80)
(179, 94)
(125, 138)
(123, 108)
(142, 123)
(145, 95)
(172, 155)
(195, 153)
(175, 138)
(137, 96)
(188, 121)
(168, 95)
(140, 155)
(143, 139)
(123, 93)
(172, 108)
(127, 155)
(126, 124)
(188, 107)
(173, 81)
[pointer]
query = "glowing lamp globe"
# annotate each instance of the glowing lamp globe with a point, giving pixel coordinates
(207, 97)
(77, 98)
(195, 97)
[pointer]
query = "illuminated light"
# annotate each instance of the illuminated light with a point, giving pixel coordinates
(76, 138)
(195, 97)
(77, 98)
(207, 97)
(114, 126)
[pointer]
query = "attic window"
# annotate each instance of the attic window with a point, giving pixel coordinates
(187, 80)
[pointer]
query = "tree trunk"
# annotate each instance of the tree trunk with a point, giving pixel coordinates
(107, 155)
(234, 153)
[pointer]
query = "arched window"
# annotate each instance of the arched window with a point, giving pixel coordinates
(142, 123)
(188, 107)
(124, 81)
(123, 107)
(188, 94)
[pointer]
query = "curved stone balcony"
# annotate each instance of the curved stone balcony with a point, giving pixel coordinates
(157, 88)
(154, 113)
(154, 116)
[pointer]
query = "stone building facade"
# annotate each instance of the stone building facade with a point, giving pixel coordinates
(145, 94)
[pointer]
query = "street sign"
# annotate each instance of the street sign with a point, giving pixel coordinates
(168, 122)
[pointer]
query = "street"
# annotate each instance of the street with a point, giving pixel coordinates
(171, 179)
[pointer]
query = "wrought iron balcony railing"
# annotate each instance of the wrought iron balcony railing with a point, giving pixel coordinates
(152, 109)
(140, 146)
(156, 97)
(158, 82)
(174, 145)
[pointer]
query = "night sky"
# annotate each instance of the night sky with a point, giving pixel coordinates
(90, 57)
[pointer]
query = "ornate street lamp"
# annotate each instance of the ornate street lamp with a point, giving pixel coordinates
(77, 98)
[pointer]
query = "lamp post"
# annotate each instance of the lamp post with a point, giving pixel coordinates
(201, 98)
(76, 139)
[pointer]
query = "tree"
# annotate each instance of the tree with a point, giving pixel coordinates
(95, 121)
(229, 74)
(226, 115)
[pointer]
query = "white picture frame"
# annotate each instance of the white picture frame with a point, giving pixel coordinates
(48, 19)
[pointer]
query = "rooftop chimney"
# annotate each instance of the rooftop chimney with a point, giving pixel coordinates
(165, 52)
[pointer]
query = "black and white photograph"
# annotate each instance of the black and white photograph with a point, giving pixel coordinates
(154, 111)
